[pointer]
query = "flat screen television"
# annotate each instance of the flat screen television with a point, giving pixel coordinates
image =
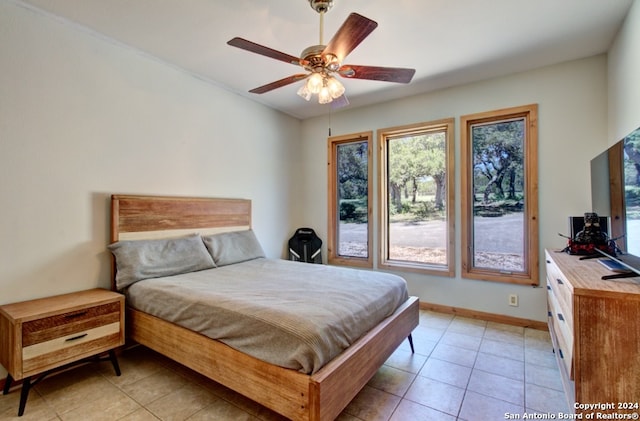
(615, 192)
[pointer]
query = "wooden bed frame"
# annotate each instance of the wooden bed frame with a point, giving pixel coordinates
(321, 396)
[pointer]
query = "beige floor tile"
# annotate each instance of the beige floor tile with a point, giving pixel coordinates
(406, 361)
(446, 372)
(546, 358)
(548, 377)
(139, 415)
(545, 400)
(467, 326)
(181, 403)
(65, 378)
(454, 354)
(509, 336)
(498, 387)
(422, 345)
(111, 406)
(461, 340)
(476, 407)
(36, 408)
(502, 349)
(158, 384)
(73, 396)
(222, 411)
(408, 410)
(372, 405)
(138, 364)
(502, 366)
(435, 320)
(537, 334)
(436, 395)
(346, 417)
(392, 380)
(428, 333)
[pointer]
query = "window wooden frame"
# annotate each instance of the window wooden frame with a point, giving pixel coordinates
(334, 257)
(529, 276)
(448, 269)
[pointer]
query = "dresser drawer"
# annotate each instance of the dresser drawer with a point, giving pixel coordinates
(561, 289)
(563, 332)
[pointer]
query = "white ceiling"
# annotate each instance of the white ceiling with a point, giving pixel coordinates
(448, 42)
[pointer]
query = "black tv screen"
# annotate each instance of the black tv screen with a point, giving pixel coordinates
(615, 192)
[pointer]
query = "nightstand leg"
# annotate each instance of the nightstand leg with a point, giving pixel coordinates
(26, 386)
(114, 362)
(7, 384)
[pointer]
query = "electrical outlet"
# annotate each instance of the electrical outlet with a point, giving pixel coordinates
(513, 300)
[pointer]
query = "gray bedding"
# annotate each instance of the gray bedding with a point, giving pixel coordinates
(291, 314)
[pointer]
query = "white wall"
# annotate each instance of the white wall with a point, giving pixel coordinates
(82, 118)
(624, 82)
(572, 100)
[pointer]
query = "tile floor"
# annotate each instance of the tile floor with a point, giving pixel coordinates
(463, 369)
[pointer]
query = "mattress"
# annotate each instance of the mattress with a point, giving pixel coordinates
(291, 314)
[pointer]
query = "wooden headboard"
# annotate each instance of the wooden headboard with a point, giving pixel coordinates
(151, 217)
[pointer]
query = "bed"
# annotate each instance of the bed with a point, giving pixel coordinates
(318, 392)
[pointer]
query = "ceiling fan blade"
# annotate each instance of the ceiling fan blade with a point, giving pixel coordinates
(279, 83)
(265, 51)
(386, 74)
(352, 32)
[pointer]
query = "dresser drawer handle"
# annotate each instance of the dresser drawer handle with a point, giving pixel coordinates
(75, 338)
(71, 316)
(548, 261)
(560, 281)
(560, 317)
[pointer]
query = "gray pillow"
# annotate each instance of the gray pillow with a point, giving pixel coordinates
(143, 259)
(233, 247)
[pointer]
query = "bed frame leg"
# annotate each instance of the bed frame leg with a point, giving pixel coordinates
(410, 338)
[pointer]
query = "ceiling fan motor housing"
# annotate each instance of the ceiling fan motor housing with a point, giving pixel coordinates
(321, 6)
(316, 61)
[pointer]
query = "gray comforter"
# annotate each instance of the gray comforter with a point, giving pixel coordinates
(291, 314)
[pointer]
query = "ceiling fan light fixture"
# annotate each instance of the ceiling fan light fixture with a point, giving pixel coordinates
(315, 82)
(303, 92)
(324, 97)
(336, 89)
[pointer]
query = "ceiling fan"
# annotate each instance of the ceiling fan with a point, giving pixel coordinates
(322, 62)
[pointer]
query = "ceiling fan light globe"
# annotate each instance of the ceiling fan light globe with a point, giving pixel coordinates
(324, 97)
(315, 83)
(336, 89)
(303, 92)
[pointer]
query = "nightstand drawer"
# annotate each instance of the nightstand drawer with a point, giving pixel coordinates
(71, 347)
(63, 325)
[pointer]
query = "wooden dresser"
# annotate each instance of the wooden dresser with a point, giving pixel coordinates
(40, 335)
(595, 328)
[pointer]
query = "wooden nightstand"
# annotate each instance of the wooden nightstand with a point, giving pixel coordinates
(41, 335)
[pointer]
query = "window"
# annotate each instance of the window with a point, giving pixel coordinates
(349, 234)
(416, 198)
(499, 195)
